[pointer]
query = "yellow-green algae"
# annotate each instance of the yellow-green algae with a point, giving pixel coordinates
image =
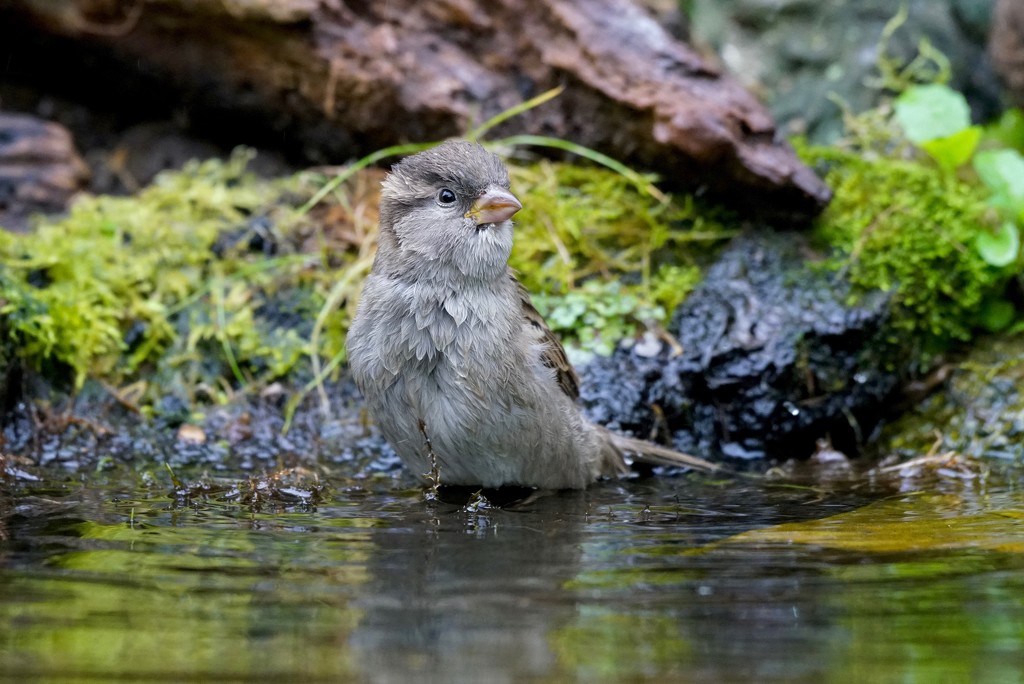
(916, 522)
(167, 285)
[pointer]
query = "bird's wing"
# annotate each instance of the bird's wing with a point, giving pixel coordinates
(553, 355)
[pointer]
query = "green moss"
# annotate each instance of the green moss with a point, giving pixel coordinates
(126, 283)
(601, 255)
(908, 228)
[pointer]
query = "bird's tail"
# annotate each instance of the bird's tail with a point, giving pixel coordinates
(659, 455)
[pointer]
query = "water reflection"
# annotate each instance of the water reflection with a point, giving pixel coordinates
(472, 593)
(644, 580)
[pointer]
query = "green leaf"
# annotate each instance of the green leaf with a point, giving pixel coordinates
(999, 248)
(1002, 171)
(1008, 131)
(953, 150)
(996, 315)
(927, 112)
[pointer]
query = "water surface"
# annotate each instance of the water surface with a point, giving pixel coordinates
(112, 576)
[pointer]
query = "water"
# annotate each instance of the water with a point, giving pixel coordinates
(113, 577)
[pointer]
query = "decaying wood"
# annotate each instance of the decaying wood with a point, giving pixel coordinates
(346, 78)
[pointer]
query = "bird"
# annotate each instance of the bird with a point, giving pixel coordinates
(458, 370)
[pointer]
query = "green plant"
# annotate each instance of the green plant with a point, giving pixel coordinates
(937, 120)
(150, 286)
(907, 228)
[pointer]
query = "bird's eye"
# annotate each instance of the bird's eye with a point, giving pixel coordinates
(445, 196)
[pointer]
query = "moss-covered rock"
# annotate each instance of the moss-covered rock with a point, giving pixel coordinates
(979, 412)
(908, 228)
(147, 287)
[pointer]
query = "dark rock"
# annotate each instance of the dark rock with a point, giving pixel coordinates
(774, 358)
(131, 159)
(40, 171)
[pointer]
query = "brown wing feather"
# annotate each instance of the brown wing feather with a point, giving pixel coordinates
(554, 353)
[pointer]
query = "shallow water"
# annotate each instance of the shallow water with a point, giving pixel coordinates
(109, 577)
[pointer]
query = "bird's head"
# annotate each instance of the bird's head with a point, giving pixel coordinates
(448, 208)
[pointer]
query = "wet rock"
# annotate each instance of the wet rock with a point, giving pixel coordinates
(800, 54)
(40, 170)
(774, 358)
(979, 412)
(247, 434)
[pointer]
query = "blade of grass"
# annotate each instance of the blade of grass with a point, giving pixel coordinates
(315, 383)
(174, 478)
(411, 148)
(340, 291)
(477, 133)
(635, 177)
(351, 169)
(222, 334)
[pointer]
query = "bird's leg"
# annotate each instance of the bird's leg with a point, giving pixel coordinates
(434, 476)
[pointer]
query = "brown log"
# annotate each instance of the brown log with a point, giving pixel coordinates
(344, 79)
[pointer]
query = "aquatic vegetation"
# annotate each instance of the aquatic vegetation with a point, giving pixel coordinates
(915, 522)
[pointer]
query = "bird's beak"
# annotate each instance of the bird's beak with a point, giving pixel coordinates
(494, 206)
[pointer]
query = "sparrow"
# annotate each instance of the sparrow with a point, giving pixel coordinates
(459, 371)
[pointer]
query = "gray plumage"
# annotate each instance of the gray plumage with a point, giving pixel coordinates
(445, 344)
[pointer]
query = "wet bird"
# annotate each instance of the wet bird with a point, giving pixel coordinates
(458, 369)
